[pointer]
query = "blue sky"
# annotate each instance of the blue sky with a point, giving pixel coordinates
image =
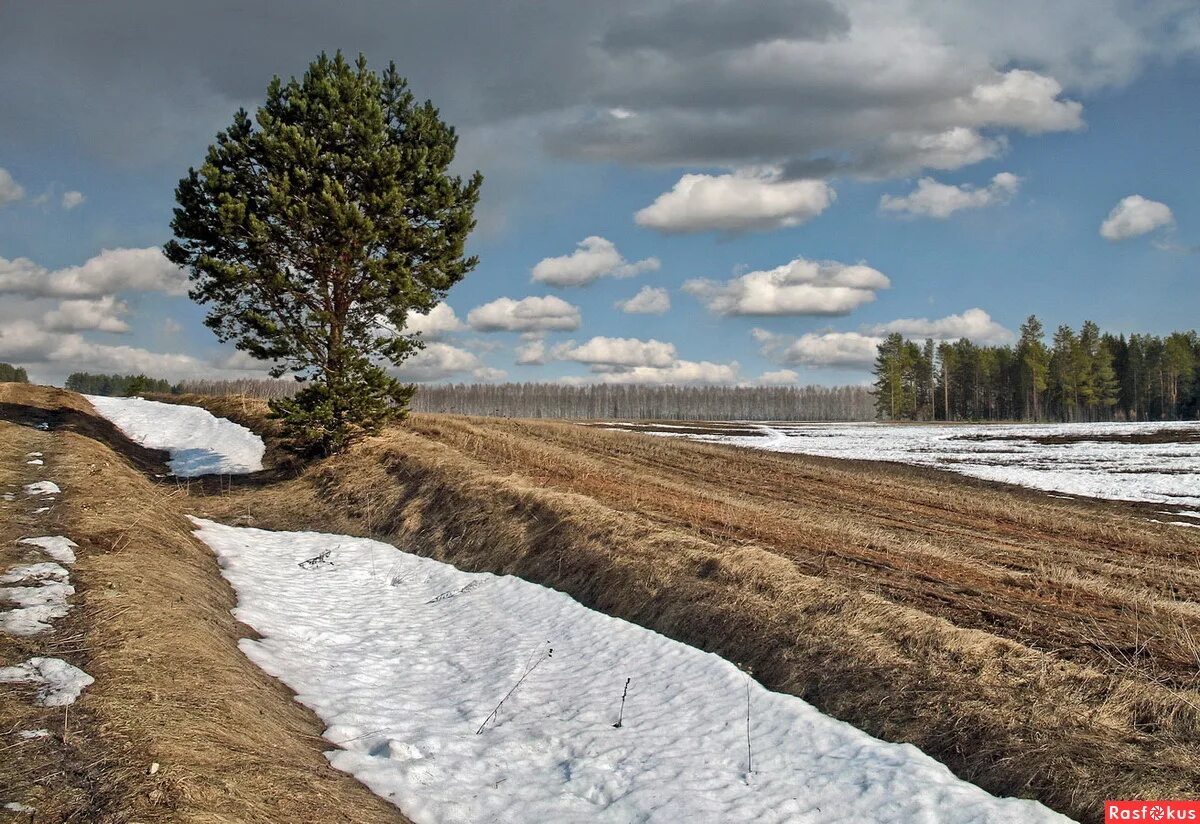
(1030, 131)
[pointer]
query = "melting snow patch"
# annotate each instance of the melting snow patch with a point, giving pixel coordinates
(34, 733)
(34, 572)
(406, 658)
(199, 442)
(17, 807)
(59, 683)
(57, 547)
(42, 488)
(35, 462)
(36, 607)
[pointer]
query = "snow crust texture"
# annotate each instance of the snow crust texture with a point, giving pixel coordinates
(58, 682)
(1166, 473)
(199, 442)
(406, 659)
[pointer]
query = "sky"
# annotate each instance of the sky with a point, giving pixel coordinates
(697, 191)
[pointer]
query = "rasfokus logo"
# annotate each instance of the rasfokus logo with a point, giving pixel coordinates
(1151, 811)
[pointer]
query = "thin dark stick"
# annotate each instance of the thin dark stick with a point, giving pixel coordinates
(528, 670)
(621, 714)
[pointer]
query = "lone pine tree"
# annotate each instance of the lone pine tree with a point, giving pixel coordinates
(313, 230)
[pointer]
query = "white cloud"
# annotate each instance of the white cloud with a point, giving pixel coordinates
(595, 257)
(940, 200)
(779, 377)
(648, 301)
(680, 372)
(844, 349)
(736, 203)
(533, 353)
(102, 314)
(113, 270)
(532, 314)
(1023, 100)
(801, 287)
(170, 326)
(440, 321)
(1133, 216)
(437, 361)
(25, 343)
(72, 199)
(974, 324)
(603, 353)
(10, 190)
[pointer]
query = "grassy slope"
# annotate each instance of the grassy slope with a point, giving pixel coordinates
(1039, 647)
(152, 624)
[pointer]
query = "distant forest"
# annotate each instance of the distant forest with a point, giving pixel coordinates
(1080, 376)
(87, 383)
(552, 400)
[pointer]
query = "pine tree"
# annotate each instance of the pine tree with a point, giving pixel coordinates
(1035, 360)
(315, 229)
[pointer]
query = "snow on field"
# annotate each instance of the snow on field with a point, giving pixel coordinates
(58, 682)
(1166, 473)
(404, 658)
(199, 442)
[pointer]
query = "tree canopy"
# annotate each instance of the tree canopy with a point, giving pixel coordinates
(315, 229)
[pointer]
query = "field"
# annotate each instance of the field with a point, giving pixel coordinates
(1040, 646)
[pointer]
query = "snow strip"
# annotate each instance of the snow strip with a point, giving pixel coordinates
(36, 607)
(405, 657)
(199, 442)
(42, 488)
(35, 462)
(56, 546)
(59, 683)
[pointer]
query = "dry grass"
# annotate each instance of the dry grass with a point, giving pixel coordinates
(152, 625)
(1039, 647)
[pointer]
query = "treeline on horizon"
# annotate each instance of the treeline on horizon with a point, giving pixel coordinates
(1078, 376)
(87, 383)
(592, 401)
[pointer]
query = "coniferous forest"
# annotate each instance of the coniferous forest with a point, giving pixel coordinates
(1082, 375)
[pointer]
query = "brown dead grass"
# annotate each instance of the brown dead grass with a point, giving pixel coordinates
(1038, 647)
(152, 625)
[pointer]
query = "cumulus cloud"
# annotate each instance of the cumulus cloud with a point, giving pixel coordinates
(441, 360)
(801, 287)
(940, 200)
(72, 199)
(679, 373)
(595, 258)
(104, 314)
(736, 203)
(649, 300)
(605, 354)
(440, 321)
(1133, 216)
(25, 342)
(834, 349)
(113, 270)
(10, 190)
(974, 324)
(532, 314)
(779, 377)
(533, 353)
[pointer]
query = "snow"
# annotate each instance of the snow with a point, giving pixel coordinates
(34, 733)
(199, 442)
(34, 571)
(1166, 473)
(42, 488)
(35, 462)
(59, 683)
(57, 547)
(404, 658)
(16, 807)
